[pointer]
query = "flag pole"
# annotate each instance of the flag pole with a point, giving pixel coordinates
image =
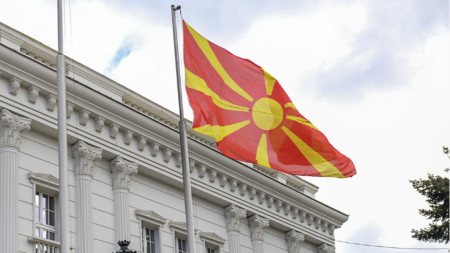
(62, 135)
(183, 144)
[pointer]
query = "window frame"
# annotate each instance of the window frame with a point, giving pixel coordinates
(212, 241)
(179, 232)
(149, 219)
(48, 185)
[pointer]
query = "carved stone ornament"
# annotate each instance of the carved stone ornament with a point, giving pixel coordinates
(122, 170)
(294, 240)
(69, 110)
(51, 102)
(114, 130)
(33, 93)
(99, 124)
(11, 126)
(325, 248)
(234, 215)
(257, 225)
(84, 117)
(85, 156)
(15, 86)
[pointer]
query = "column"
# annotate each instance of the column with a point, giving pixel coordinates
(122, 170)
(84, 156)
(234, 215)
(294, 240)
(11, 127)
(257, 225)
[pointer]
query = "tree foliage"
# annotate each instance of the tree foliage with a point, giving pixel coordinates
(436, 191)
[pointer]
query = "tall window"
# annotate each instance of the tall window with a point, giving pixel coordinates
(44, 207)
(210, 250)
(149, 240)
(181, 245)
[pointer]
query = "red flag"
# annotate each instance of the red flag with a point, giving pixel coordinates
(250, 116)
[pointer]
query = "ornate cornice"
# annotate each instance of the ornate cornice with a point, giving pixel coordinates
(257, 225)
(234, 215)
(85, 156)
(122, 170)
(11, 126)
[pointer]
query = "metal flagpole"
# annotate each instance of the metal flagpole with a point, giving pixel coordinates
(183, 144)
(62, 135)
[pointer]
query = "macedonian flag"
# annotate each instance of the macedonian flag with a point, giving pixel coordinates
(250, 116)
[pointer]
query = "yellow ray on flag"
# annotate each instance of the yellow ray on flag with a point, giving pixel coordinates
(301, 121)
(291, 105)
(270, 82)
(195, 82)
(325, 168)
(261, 154)
(212, 58)
(220, 132)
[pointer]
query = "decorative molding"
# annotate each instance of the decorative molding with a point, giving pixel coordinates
(325, 248)
(234, 215)
(142, 142)
(14, 85)
(114, 130)
(33, 94)
(257, 225)
(178, 226)
(150, 216)
(122, 170)
(212, 175)
(212, 237)
(99, 124)
(84, 116)
(69, 109)
(51, 102)
(11, 127)
(294, 240)
(128, 136)
(167, 153)
(154, 148)
(85, 156)
(46, 180)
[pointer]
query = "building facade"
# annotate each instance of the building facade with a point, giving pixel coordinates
(124, 172)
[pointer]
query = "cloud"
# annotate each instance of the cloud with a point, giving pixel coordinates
(125, 49)
(379, 54)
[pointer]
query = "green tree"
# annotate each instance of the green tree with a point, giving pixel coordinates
(436, 191)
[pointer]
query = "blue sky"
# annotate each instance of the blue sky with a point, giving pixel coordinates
(372, 75)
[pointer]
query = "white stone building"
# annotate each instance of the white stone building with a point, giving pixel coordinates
(124, 172)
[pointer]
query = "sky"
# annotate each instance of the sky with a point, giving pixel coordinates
(372, 75)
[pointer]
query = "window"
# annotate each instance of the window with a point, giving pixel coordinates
(212, 242)
(151, 223)
(149, 240)
(44, 206)
(181, 245)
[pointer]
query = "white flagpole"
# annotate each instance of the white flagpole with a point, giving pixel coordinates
(62, 136)
(183, 144)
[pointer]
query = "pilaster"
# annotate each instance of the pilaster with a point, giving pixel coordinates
(257, 225)
(122, 170)
(294, 240)
(11, 127)
(85, 156)
(234, 215)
